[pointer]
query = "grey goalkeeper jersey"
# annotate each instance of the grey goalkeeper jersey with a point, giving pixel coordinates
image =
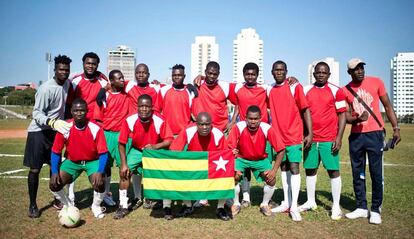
(50, 102)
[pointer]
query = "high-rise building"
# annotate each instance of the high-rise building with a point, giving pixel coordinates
(123, 59)
(247, 47)
(333, 66)
(203, 50)
(402, 83)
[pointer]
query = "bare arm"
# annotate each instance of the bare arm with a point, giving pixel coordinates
(233, 119)
(341, 128)
(308, 123)
(391, 117)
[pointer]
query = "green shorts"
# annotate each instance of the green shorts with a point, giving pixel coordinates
(128, 147)
(256, 167)
(321, 151)
(270, 152)
(112, 144)
(134, 161)
(75, 169)
(293, 153)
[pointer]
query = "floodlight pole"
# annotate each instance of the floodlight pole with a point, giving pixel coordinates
(49, 60)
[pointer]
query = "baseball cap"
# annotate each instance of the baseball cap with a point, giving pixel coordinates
(354, 62)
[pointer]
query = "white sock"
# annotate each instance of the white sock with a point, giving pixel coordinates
(166, 203)
(61, 196)
(97, 199)
(236, 194)
(187, 203)
(220, 203)
(295, 185)
(246, 189)
(336, 185)
(267, 194)
(71, 191)
(310, 188)
(123, 198)
(107, 184)
(136, 184)
(285, 187)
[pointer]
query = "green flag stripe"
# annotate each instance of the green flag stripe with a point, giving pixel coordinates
(187, 195)
(167, 154)
(175, 175)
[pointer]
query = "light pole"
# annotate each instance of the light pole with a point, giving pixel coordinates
(49, 60)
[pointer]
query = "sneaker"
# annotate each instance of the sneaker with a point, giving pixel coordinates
(222, 214)
(295, 215)
(147, 204)
(357, 213)
(121, 213)
(307, 206)
(281, 208)
(336, 214)
(58, 205)
(33, 211)
(245, 204)
(201, 203)
(375, 218)
(235, 209)
(108, 200)
(98, 212)
(185, 211)
(136, 203)
(265, 209)
(168, 213)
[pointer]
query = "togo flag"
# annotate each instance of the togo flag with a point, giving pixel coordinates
(185, 175)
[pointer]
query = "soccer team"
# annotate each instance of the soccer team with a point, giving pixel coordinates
(98, 121)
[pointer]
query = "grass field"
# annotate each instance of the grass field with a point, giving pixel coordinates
(398, 209)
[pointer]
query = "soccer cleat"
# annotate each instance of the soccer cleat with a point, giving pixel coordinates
(375, 218)
(308, 206)
(168, 213)
(33, 211)
(136, 203)
(235, 209)
(58, 205)
(281, 208)
(357, 213)
(222, 214)
(147, 204)
(121, 213)
(295, 215)
(98, 212)
(245, 203)
(201, 203)
(265, 209)
(108, 200)
(185, 211)
(336, 214)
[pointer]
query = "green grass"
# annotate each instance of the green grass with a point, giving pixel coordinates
(14, 124)
(398, 209)
(20, 109)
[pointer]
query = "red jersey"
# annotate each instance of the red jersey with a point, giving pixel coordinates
(212, 142)
(134, 91)
(370, 89)
(81, 144)
(213, 100)
(176, 107)
(324, 104)
(153, 132)
(247, 96)
(112, 113)
(88, 89)
(285, 103)
(252, 145)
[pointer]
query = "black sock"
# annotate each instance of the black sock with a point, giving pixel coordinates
(33, 184)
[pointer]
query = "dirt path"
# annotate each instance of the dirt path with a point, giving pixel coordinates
(13, 133)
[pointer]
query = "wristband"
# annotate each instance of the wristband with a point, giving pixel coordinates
(396, 127)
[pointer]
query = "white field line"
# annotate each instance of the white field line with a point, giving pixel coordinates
(11, 155)
(13, 171)
(21, 177)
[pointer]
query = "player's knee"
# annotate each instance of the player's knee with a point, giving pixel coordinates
(34, 170)
(100, 188)
(294, 168)
(311, 172)
(333, 173)
(55, 187)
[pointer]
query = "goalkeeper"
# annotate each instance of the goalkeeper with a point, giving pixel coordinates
(48, 114)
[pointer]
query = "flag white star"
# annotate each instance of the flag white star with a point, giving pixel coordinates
(221, 163)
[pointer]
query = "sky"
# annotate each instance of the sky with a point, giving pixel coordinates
(161, 33)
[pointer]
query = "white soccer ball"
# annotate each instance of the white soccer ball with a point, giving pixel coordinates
(69, 216)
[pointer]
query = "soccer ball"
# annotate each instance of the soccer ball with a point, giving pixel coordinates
(69, 216)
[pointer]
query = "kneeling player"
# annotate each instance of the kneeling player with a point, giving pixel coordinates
(85, 151)
(248, 141)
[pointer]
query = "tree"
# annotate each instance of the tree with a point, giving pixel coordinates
(22, 97)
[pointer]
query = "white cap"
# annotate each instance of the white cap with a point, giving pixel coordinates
(354, 62)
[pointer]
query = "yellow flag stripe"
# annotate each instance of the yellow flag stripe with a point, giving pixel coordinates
(175, 164)
(189, 185)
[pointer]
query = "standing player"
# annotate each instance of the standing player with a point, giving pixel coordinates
(248, 142)
(288, 107)
(48, 114)
(367, 138)
(176, 100)
(85, 150)
(112, 114)
(148, 130)
(202, 137)
(327, 106)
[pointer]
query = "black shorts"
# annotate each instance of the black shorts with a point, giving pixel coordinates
(38, 148)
